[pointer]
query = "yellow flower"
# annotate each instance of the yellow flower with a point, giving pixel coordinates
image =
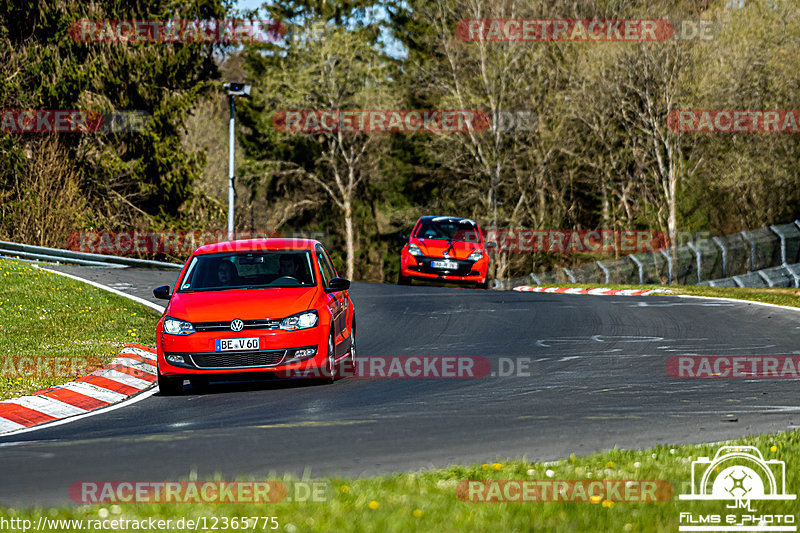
(595, 498)
(374, 505)
(417, 513)
(484, 466)
(772, 448)
(610, 464)
(497, 466)
(608, 503)
(345, 489)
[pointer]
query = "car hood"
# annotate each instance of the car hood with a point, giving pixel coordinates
(248, 304)
(436, 248)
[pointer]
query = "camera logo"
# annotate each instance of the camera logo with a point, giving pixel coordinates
(738, 473)
(741, 474)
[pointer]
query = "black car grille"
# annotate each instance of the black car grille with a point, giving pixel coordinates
(237, 359)
(226, 326)
(424, 265)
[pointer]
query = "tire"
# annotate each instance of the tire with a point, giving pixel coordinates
(403, 280)
(349, 366)
(327, 375)
(485, 285)
(169, 386)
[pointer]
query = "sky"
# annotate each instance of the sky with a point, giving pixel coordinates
(392, 47)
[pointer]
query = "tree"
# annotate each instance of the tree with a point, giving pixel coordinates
(325, 68)
(127, 178)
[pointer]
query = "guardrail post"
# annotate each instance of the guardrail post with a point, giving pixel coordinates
(641, 268)
(766, 278)
(752, 244)
(699, 259)
(719, 243)
(782, 237)
(795, 277)
(605, 271)
(669, 265)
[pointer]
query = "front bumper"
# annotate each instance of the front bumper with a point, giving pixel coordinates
(467, 271)
(275, 352)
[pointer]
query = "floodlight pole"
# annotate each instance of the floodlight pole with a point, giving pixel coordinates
(234, 90)
(231, 190)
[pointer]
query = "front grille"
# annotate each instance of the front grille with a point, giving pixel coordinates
(424, 265)
(226, 326)
(237, 359)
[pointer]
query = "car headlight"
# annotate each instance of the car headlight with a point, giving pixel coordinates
(474, 256)
(414, 250)
(307, 319)
(173, 326)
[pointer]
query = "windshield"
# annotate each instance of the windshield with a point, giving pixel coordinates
(249, 270)
(450, 229)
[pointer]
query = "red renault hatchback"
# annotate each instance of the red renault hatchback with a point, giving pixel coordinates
(255, 306)
(447, 249)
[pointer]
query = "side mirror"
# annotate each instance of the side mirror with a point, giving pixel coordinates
(162, 293)
(338, 284)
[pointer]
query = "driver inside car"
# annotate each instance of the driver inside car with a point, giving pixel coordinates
(289, 266)
(226, 273)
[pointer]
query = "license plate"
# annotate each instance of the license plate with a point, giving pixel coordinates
(231, 345)
(444, 265)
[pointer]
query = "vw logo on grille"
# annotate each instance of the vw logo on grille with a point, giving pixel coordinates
(237, 325)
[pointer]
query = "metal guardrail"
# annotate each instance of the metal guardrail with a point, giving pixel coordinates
(761, 257)
(43, 253)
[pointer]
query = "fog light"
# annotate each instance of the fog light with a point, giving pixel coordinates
(176, 359)
(304, 353)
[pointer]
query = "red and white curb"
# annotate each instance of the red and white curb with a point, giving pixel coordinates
(599, 291)
(131, 372)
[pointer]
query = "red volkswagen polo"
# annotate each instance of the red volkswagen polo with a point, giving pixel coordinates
(255, 306)
(445, 249)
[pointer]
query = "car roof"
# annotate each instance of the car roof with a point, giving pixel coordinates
(257, 245)
(440, 218)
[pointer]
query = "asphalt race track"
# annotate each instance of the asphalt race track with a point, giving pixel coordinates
(597, 380)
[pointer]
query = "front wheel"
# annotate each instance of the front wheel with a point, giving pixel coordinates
(329, 372)
(349, 365)
(169, 386)
(403, 280)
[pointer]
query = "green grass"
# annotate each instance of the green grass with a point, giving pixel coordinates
(427, 500)
(44, 316)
